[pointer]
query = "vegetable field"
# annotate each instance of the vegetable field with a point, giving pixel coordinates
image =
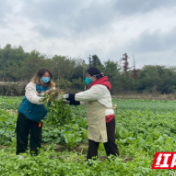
(143, 127)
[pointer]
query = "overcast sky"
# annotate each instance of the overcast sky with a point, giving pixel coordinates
(145, 30)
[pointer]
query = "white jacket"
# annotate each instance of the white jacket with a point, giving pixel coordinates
(97, 92)
(32, 95)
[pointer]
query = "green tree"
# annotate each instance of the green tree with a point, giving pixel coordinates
(112, 70)
(160, 77)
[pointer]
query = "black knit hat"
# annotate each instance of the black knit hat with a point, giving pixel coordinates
(94, 71)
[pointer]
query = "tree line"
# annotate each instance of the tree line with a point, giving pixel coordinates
(69, 73)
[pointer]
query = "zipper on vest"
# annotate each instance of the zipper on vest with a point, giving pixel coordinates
(27, 109)
(40, 123)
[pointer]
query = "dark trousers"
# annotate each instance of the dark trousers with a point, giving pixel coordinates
(23, 128)
(110, 146)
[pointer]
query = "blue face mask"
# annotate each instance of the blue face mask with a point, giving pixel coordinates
(88, 80)
(45, 79)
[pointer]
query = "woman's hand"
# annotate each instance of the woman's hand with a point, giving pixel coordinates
(54, 93)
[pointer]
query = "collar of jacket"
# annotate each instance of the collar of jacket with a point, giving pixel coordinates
(41, 89)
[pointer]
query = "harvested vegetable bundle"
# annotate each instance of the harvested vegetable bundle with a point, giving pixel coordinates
(53, 94)
(59, 113)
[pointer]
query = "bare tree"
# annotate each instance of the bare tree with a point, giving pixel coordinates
(125, 63)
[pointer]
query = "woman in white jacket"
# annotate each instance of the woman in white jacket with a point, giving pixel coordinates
(100, 113)
(32, 111)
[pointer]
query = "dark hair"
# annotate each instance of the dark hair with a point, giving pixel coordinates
(39, 74)
(94, 71)
(42, 71)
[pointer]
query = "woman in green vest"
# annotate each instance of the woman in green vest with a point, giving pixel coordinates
(32, 111)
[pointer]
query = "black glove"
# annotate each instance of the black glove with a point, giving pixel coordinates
(71, 98)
